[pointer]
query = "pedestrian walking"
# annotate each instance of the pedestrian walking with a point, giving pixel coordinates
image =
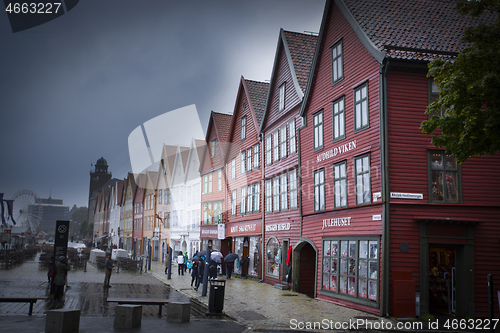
(229, 269)
(180, 263)
(108, 268)
(201, 272)
(186, 260)
(194, 273)
(213, 270)
(62, 267)
(166, 262)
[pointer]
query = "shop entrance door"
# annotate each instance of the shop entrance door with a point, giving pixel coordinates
(307, 266)
(284, 266)
(442, 279)
(245, 257)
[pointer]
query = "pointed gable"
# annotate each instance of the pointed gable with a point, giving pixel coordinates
(292, 66)
(257, 93)
(218, 129)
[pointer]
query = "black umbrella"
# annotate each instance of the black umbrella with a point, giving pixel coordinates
(231, 257)
(203, 253)
(195, 259)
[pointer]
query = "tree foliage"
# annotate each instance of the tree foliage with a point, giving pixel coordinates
(469, 90)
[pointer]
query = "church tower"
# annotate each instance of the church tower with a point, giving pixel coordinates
(97, 180)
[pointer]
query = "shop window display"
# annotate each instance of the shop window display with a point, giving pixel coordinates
(272, 257)
(253, 268)
(350, 267)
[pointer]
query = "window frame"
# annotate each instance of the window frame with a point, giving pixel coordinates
(292, 190)
(234, 201)
(210, 184)
(233, 168)
(249, 209)
(360, 102)
(444, 170)
(363, 172)
(281, 97)
(283, 142)
(320, 128)
(212, 148)
(276, 139)
(327, 258)
(243, 129)
(243, 162)
(284, 192)
(336, 115)
(321, 190)
(292, 137)
(243, 203)
(256, 197)
(219, 180)
(249, 165)
(276, 194)
(335, 61)
(269, 195)
(340, 179)
(269, 149)
(255, 156)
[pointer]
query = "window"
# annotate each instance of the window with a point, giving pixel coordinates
(242, 162)
(205, 184)
(350, 267)
(243, 128)
(166, 220)
(292, 178)
(219, 180)
(268, 149)
(338, 120)
(284, 192)
(159, 196)
(166, 192)
(282, 98)
(210, 183)
(337, 66)
(212, 148)
(256, 197)
(283, 141)
(292, 136)
(269, 196)
(249, 199)
(233, 203)
(339, 185)
(217, 212)
(243, 203)
(361, 107)
(362, 172)
(275, 146)
(256, 156)
(276, 194)
(233, 168)
(319, 190)
(434, 97)
(318, 130)
(249, 159)
(443, 178)
(272, 257)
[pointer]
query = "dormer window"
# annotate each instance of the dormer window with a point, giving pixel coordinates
(212, 148)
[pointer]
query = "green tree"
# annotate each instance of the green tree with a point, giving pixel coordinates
(469, 89)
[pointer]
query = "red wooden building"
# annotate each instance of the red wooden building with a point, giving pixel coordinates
(213, 182)
(384, 213)
(244, 175)
(294, 54)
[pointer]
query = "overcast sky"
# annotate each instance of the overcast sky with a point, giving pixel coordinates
(73, 89)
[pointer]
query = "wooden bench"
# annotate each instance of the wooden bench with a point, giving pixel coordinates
(30, 300)
(141, 301)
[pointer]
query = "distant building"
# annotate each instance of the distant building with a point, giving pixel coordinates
(52, 211)
(97, 180)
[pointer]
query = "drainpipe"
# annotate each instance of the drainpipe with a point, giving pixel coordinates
(384, 158)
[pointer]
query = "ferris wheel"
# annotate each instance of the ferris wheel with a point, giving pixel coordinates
(27, 210)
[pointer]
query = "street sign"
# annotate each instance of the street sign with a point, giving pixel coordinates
(61, 239)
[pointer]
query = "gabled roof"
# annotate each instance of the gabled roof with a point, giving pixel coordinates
(412, 30)
(256, 93)
(299, 49)
(221, 124)
(195, 152)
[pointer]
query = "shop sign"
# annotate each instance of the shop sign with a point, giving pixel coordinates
(376, 196)
(399, 195)
(244, 228)
(221, 231)
(278, 227)
(377, 217)
(209, 231)
(337, 222)
(336, 151)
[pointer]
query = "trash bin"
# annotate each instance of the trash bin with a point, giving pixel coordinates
(216, 297)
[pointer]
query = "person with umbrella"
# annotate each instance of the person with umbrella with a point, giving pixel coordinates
(194, 272)
(229, 260)
(201, 271)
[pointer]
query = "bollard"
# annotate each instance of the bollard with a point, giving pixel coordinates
(491, 302)
(85, 266)
(140, 265)
(118, 268)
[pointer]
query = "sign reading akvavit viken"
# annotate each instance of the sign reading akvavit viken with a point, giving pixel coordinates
(399, 195)
(337, 222)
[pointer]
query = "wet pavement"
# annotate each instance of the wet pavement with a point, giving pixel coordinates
(249, 306)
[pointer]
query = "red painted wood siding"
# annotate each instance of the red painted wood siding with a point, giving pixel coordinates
(359, 67)
(480, 180)
(236, 147)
